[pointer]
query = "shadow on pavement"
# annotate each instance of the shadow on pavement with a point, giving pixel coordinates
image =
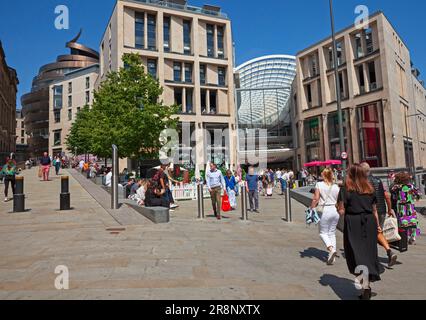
(342, 287)
(314, 253)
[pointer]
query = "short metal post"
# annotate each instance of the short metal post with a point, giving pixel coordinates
(244, 214)
(288, 214)
(65, 197)
(200, 199)
(19, 196)
(114, 184)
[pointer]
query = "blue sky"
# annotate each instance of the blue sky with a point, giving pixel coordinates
(260, 27)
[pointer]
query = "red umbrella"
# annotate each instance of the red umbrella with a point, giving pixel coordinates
(332, 163)
(313, 164)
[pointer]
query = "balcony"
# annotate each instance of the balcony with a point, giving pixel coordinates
(210, 11)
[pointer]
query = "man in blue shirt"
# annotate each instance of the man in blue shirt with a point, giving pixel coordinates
(215, 183)
(252, 181)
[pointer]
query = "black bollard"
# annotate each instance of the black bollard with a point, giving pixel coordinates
(19, 196)
(65, 197)
(244, 203)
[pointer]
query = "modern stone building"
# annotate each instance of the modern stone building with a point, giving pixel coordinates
(21, 138)
(8, 89)
(67, 97)
(383, 101)
(35, 105)
(190, 51)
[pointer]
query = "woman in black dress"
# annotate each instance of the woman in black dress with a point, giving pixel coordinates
(357, 202)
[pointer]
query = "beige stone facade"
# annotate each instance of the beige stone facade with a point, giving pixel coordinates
(21, 135)
(383, 103)
(66, 98)
(190, 51)
(8, 90)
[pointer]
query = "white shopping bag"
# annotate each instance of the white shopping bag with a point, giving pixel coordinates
(390, 229)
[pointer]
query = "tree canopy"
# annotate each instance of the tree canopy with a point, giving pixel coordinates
(127, 111)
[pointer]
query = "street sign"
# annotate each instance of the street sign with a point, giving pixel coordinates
(344, 155)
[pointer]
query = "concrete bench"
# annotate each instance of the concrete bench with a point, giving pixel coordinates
(155, 214)
(121, 191)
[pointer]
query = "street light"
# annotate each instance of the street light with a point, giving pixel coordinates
(338, 94)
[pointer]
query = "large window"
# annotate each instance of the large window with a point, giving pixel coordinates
(369, 41)
(57, 116)
(87, 97)
(152, 68)
(359, 53)
(372, 75)
(210, 40)
(152, 30)
(204, 101)
(69, 87)
(370, 137)
(361, 79)
(312, 139)
(203, 74)
(177, 72)
(334, 136)
(166, 32)
(69, 101)
(69, 114)
(188, 72)
(57, 138)
(213, 102)
(220, 42)
(140, 30)
(221, 76)
(178, 97)
(57, 97)
(189, 100)
(187, 37)
(87, 82)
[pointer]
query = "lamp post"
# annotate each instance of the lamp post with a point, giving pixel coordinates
(338, 94)
(408, 125)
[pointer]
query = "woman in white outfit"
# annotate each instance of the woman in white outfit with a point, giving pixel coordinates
(325, 197)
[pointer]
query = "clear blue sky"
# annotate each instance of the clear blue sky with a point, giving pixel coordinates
(260, 27)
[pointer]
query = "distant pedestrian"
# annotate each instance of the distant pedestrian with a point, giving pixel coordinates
(215, 183)
(326, 194)
(231, 185)
(9, 173)
(45, 163)
(57, 164)
(252, 180)
(358, 203)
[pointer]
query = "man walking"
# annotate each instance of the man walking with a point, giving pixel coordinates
(383, 199)
(45, 162)
(252, 180)
(215, 183)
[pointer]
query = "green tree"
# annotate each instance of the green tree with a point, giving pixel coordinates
(80, 136)
(127, 111)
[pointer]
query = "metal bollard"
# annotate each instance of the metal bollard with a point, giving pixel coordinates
(288, 214)
(244, 213)
(114, 182)
(65, 196)
(19, 196)
(200, 198)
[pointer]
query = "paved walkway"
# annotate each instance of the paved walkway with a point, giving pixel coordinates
(265, 258)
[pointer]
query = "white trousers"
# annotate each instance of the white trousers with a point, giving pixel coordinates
(328, 225)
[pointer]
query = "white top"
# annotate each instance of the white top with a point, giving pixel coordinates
(328, 194)
(108, 179)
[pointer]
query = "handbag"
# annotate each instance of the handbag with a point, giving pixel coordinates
(226, 205)
(390, 229)
(312, 216)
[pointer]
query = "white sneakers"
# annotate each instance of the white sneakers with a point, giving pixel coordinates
(6, 199)
(331, 258)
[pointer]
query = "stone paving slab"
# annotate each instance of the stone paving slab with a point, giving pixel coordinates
(265, 258)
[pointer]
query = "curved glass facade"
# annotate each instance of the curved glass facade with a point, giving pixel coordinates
(264, 91)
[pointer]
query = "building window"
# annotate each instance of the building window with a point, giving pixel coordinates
(370, 138)
(140, 30)
(152, 26)
(359, 53)
(333, 134)
(189, 101)
(210, 41)
(369, 40)
(69, 114)
(69, 87)
(22, 141)
(187, 37)
(188, 73)
(309, 95)
(312, 139)
(87, 97)
(152, 68)
(372, 75)
(177, 72)
(213, 102)
(221, 76)
(69, 101)
(22, 133)
(57, 97)
(178, 97)
(220, 42)
(203, 74)
(87, 82)
(57, 116)
(166, 32)
(203, 101)
(361, 79)
(57, 138)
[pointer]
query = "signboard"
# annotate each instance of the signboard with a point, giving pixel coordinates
(344, 155)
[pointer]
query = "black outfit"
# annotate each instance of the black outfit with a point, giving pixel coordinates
(380, 197)
(8, 179)
(360, 233)
(151, 200)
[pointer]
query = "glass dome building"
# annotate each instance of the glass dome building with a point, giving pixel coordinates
(264, 98)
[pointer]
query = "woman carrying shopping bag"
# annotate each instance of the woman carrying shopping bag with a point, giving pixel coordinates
(231, 184)
(325, 200)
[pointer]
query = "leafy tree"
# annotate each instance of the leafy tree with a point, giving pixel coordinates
(80, 136)
(127, 111)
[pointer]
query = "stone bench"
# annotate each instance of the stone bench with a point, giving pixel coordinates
(121, 191)
(155, 214)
